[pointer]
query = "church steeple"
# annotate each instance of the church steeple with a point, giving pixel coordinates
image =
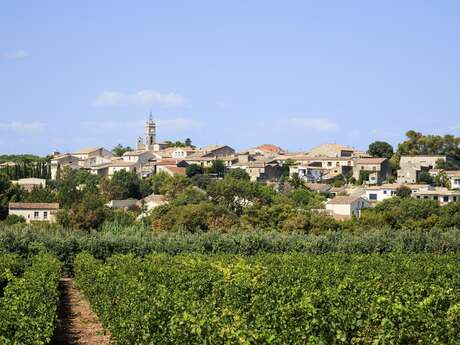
(150, 133)
(150, 116)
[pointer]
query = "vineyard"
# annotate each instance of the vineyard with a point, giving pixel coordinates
(28, 302)
(191, 298)
(275, 298)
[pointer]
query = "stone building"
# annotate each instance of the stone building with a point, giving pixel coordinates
(412, 166)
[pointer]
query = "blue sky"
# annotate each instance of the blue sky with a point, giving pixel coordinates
(293, 73)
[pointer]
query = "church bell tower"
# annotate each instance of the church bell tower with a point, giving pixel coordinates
(150, 133)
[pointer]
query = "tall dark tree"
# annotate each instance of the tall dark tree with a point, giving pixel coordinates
(380, 149)
(194, 169)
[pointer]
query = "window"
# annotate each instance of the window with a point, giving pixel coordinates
(35, 214)
(455, 198)
(445, 198)
(384, 192)
(45, 215)
(372, 196)
(435, 197)
(329, 164)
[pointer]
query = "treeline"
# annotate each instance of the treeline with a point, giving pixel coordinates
(206, 204)
(28, 168)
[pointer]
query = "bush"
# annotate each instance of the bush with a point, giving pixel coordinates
(12, 219)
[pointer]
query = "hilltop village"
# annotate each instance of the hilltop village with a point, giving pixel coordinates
(350, 179)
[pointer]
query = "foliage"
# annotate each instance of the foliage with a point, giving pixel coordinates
(217, 168)
(119, 150)
(194, 169)
(126, 185)
(26, 240)
(186, 143)
(425, 177)
(421, 144)
(445, 164)
(400, 213)
(442, 180)
(403, 192)
(202, 216)
(90, 213)
(28, 167)
(174, 186)
(157, 181)
(275, 299)
(296, 182)
(201, 181)
(286, 166)
(28, 309)
(238, 173)
(363, 176)
(12, 219)
(235, 194)
(40, 194)
(380, 149)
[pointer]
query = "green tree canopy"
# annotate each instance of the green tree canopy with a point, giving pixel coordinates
(119, 150)
(421, 144)
(380, 149)
(238, 173)
(194, 169)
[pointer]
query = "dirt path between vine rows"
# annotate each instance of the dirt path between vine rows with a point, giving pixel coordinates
(77, 324)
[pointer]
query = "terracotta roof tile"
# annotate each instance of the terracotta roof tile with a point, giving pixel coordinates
(33, 206)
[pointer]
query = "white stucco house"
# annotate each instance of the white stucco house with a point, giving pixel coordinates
(345, 207)
(387, 190)
(34, 211)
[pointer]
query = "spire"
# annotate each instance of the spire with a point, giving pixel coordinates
(150, 116)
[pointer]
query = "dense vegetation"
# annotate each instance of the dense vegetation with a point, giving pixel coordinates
(26, 166)
(275, 299)
(66, 244)
(28, 307)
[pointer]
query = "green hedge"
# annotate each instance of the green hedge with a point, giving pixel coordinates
(276, 299)
(28, 309)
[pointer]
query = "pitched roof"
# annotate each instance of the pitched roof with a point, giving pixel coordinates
(167, 162)
(373, 160)
(176, 170)
(318, 187)
(114, 163)
(212, 147)
(343, 200)
(270, 148)
(135, 152)
(33, 206)
(87, 150)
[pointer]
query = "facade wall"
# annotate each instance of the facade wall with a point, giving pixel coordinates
(342, 210)
(455, 182)
(35, 215)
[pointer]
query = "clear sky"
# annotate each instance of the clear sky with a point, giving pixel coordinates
(294, 73)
